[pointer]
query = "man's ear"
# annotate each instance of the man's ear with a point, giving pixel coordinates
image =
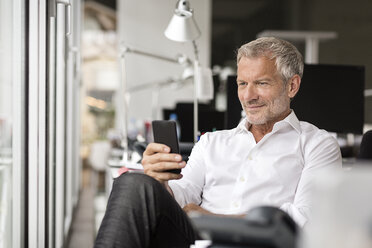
(293, 85)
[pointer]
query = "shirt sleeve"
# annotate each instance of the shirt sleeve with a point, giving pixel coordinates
(320, 155)
(189, 189)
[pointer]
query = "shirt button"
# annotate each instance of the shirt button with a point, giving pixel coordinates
(242, 179)
(249, 157)
(236, 205)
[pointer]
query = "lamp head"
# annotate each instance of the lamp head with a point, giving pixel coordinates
(182, 26)
(183, 6)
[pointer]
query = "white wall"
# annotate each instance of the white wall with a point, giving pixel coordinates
(141, 26)
(5, 73)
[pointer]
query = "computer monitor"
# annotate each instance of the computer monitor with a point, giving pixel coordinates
(330, 97)
(209, 119)
(233, 108)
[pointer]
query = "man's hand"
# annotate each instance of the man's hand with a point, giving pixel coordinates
(157, 160)
(193, 208)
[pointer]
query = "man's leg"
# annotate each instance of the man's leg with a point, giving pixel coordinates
(141, 213)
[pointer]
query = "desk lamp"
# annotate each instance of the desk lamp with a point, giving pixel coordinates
(183, 28)
(181, 59)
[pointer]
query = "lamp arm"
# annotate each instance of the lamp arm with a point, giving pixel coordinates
(195, 100)
(154, 84)
(180, 59)
(196, 51)
(123, 91)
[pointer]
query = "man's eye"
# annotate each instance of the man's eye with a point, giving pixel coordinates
(261, 83)
(242, 83)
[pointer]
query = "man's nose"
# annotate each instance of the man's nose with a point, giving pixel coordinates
(250, 93)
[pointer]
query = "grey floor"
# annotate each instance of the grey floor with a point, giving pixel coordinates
(88, 214)
(83, 226)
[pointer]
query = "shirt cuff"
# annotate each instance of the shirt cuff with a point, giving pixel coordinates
(297, 214)
(177, 193)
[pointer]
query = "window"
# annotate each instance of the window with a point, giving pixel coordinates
(6, 120)
(12, 112)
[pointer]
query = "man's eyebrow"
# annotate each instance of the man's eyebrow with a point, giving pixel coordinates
(264, 79)
(257, 80)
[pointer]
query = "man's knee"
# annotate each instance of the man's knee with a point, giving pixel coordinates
(136, 191)
(135, 183)
(131, 179)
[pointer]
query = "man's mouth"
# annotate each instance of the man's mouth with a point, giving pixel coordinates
(256, 106)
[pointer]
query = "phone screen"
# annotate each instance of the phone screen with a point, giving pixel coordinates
(165, 132)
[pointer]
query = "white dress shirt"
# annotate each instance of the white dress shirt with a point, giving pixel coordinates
(229, 173)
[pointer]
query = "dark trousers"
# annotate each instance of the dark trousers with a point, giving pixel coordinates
(141, 213)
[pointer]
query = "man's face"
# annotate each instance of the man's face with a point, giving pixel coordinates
(261, 91)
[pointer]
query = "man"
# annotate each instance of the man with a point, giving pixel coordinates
(270, 158)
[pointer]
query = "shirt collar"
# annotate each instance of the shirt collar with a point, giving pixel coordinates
(243, 125)
(291, 119)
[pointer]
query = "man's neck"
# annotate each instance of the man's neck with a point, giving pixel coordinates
(259, 131)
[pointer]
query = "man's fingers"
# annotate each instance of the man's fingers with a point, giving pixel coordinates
(157, 160)
(160, 157)
(165, 176)
(153, 148)
(163, 166)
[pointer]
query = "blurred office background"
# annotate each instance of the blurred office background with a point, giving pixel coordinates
(71, 103)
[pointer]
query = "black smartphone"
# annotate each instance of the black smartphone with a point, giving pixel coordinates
(165, 132)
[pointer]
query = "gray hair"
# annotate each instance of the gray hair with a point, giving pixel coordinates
(288, 59)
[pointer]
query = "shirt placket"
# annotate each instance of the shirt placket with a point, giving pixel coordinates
(242, 180)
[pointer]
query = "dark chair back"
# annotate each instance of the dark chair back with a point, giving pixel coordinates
(365, 151)
(263, 227)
